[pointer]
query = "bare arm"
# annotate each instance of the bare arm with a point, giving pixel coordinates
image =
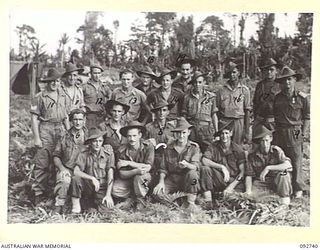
(58, 163)
(35, 129)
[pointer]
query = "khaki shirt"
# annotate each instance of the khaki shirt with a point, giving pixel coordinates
(161, 135)
(232, 103)
(112, 137)
(75, 100)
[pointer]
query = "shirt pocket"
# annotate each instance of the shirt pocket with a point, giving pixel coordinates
(295, 111)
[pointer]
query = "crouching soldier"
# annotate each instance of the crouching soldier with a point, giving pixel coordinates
(269, 160)
(134, 162)
(93, 174)
(223, 165)
(65, 155)
(179, 168)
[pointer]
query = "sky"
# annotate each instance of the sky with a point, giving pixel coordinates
(50, 25)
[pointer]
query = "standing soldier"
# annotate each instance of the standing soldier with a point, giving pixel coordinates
(65, 156)
(166, 92)
(199, 108)
(179, 168)
(93, 174)
(96, 93)
(71, 87)
(49, 121)
(134, 161)
(233, 103)
(185, 67)
(113, 123)
(131, 96)
(147, 76)
(292, 117)
(264, 95)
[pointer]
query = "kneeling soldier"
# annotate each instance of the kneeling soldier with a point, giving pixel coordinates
(179, 167)
(223, 165)
(134, 162)
(65, 156)
(269, 159)
(93, 173)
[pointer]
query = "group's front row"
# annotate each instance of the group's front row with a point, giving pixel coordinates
(97, 175)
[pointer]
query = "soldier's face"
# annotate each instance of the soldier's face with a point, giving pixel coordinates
(78, 121)
(134, 135)
(96, 143)
(72, 78)
(146, 79)
(234, 76)
(186, 70)
(265, 143)
(53, 85)
(166, 81)
(271, 73)
(199, 83)
(225, 136)
(182, 136)
(117, 112)
(162, 113)
(95, 74)
(127, 80)
(288, 84)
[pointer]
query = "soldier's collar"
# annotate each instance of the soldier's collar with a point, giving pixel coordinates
(238, 85)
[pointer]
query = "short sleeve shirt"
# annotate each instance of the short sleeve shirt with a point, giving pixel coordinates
(170, 159)
(161, 135)
(50, 107)
(232, 103)
(135, 98)
(231, 158)
(69, 147)
(200, 108)
(95, 97)
(96, 165)
(291, 111)
(257, 161)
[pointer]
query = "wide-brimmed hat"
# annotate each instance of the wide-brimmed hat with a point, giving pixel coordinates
(70, 67)
(181, 124)
(96, 65)
(260, 132)
(268, 63)
(108, 106)
(147, 71)
(196, 75)
(94, 133)
(131, 125)
(76, 111)
(224, 124)
(287, 72)
(160, 104)
(52, 75)
(172, 73)
(231, 66)
(185, 59)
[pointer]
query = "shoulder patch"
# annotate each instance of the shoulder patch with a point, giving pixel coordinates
(302, 94)
(194, 144)
(107, 148)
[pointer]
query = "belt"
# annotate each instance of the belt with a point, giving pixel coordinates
(52, 122)
(204, 123)
(288, 126)
(266, 119)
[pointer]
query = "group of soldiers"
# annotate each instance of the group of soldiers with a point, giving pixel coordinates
(158, 134)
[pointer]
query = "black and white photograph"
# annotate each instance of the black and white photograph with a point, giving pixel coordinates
(159, 117)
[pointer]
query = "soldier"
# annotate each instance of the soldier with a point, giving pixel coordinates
(269, 160)
(96, 93)
(93, 174)
(65, 156)
(71, 87)
(264, 95)
(292, 117)
(199, 108)
(49, 121)
(166, 92)
(112, 125)
(147, 76)
(134, 161)
(223, 165)
(179, 168)
(233, 102)
(131, 96)
(185, 66)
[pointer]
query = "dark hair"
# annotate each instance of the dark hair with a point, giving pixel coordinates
(75, 112)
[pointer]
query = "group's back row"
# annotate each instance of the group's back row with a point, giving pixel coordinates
(277, 106)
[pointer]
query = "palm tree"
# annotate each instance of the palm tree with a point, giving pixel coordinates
(62, 42)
